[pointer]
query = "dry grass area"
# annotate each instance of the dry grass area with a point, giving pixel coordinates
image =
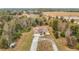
(44, 45)
(61, 13)
(24, 42)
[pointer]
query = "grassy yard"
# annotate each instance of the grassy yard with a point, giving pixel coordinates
(24, 43)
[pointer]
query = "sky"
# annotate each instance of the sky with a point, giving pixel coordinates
(39, 4)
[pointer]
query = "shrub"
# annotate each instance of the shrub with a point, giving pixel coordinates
(16, 35)
(1, 32)
(28, 29)
(62, 34)
(55, 34)
(72, 20)
(18, 27)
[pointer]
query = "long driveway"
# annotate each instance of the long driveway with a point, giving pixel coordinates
(37, 36)
(34, 42)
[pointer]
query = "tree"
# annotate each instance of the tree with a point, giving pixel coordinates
(37, 21)
(72, 20)
(1, 30)
(55, 25)
(74, 29)
(40, 22)
(40, 14)
(6, 17)
(61, 18)
(16, 35)
(77, 34)
(33, 23)
(55, 34)
(62, 34)
(28, 29)
(18, 27)
(57, 17)
(4, 43)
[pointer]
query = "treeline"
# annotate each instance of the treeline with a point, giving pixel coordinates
(41, 9)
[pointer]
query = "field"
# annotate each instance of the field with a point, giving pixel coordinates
(61, 13)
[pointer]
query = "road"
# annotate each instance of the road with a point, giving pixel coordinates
(34, 42)
(54, 46)
(37, 36)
